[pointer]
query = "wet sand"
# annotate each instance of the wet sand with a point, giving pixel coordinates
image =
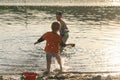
(69, 76)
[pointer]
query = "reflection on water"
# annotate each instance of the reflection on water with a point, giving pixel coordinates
(94, 30)
(61, 2)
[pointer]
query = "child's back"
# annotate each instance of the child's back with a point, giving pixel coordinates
(53, 41)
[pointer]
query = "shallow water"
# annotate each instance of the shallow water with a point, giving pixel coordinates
(61, 2)
(94, 30)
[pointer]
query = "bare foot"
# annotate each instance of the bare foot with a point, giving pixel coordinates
(60, 71)
(46, 73)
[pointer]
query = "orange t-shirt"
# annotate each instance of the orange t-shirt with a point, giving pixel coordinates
(53, 41)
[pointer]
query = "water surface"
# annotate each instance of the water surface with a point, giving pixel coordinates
(94, 30)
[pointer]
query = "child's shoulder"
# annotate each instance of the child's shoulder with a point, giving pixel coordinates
(52, 34)
(48, 32)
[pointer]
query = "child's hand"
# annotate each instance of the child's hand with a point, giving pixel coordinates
(73, 45)
(35, 43)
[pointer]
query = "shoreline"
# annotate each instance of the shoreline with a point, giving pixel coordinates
(68, 76)
(73, 72)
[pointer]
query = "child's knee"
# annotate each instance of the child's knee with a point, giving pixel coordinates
(57, 56)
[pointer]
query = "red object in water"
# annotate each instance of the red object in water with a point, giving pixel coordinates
(29, 76)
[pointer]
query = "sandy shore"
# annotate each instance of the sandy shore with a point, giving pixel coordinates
(67, 76)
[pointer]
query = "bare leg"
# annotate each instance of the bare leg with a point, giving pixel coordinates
(64, 39)
(48, 63)
(59, 61)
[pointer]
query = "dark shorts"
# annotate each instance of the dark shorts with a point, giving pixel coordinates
(49, 55)
(65, 37)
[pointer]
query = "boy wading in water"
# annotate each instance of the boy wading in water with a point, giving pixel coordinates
(64, 32)
(53, 42)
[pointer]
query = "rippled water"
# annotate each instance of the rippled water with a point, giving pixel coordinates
(61, 2)
(94, 30)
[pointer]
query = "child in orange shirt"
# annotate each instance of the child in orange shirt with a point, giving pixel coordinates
(53, 42)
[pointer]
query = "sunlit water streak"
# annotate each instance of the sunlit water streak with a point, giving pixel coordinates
(95, 31)
(61, 2)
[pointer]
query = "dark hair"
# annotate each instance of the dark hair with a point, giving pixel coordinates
(59, 13)
(55, 26)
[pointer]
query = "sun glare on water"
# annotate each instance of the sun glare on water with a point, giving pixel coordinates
(113, 57)
(115, 3)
